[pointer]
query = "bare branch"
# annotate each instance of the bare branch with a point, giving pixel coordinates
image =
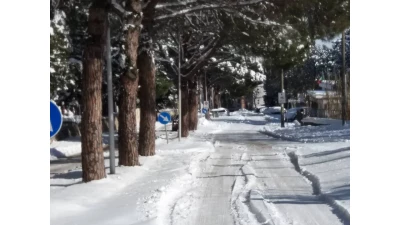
(203, 58)
(208, 7)
(165, 5)
(117, 8)
(192, 59)
(190, 22)
(173, 37)
(267, 23)
(199, 43)
(200, 19)
(149, 6)
(225, 60)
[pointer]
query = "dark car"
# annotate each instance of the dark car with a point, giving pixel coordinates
(291, 113)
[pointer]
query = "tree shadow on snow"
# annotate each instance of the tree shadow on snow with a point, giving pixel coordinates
(56, 153)
(70, 175)
(325, 161)
(324, 153)
(252, 122)
(238, 138)
(302, 200)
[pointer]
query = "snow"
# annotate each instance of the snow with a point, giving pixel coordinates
(329, 165)
(129, 196)
(129, 26)
(218, 109)
(273, 118)
(159, 125)
(226, 172)
(67, 148)
(333, 132)
(319, 94)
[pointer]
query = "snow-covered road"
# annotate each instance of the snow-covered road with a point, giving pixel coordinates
(247, 182)
(227, 172)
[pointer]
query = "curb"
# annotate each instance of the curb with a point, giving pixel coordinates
(280, 136)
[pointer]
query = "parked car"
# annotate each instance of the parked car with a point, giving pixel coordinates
(220, 112)
(272, 110)
(291, 113)
(260, 109)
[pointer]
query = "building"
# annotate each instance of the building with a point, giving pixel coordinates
(258, 96)
(325, 103)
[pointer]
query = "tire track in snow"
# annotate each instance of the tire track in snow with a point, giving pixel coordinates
(175, 203)
(244, 211)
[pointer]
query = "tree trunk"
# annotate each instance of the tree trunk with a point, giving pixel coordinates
(206, 97)
(92, 148)
(193, 105)
(185, 108)
(242, 102)
(127, 134)
(147, 80)
(217, 97)
(147, 96)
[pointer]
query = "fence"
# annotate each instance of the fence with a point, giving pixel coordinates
(324, 113)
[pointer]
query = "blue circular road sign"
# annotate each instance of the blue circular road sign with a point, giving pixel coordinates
(164, 118)
(204, 110)
(55, 119)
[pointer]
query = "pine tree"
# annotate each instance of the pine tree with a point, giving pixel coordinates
(60, 76)
(92, 147)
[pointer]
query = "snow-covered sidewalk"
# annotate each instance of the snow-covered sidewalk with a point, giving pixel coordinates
(138, 195)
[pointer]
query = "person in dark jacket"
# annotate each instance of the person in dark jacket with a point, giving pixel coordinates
(299, 116)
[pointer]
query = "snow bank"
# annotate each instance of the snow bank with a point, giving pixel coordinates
(327, 165)
(186, 145)
(329, 121)
(273, 118)
(67, 148)
(323, 133)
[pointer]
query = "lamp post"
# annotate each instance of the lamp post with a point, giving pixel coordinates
(282, 104)
(110, 102)
(343, 76)
(179, 87)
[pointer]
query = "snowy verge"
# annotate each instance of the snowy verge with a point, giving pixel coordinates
(326, 121)
(308, 134)
(279, 136)
(339, 209)
(66, 148)
(130, 196)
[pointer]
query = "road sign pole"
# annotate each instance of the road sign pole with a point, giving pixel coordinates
(179, 87)
(282, 105)
(110, 103)
(164, 118)
(166, 134)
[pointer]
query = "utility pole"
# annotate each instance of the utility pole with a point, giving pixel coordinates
(282, 105)
(343, 76)
(207, 115)
(205, 83)
(179, 87)
(110, 101)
